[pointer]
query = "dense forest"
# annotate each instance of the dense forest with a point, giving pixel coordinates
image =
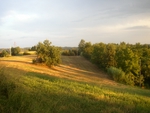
(125, 63)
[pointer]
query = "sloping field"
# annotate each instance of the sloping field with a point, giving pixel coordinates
(80, 69)
(72, 67)
(75, 86)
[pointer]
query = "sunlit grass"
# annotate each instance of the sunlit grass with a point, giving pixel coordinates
(28, 88)
(35, 92)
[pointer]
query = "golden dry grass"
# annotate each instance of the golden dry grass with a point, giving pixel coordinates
(72, 67)
(40, 89)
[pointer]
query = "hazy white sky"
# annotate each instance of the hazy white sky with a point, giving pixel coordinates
(66, 22)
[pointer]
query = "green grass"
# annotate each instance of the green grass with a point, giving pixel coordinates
(31, 92)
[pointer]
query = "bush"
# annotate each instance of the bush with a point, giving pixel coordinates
(116, 74)
(119, 76)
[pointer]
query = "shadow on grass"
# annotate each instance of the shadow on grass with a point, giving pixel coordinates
(61, 99)
(130, 90)
(79, 62)
(17, 61)
(77, 72)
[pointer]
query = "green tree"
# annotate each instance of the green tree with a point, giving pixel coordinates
(98, 55)
(75, 51)
(70, 52)
(50, 55)
(81, 46)
(33, 48)
(132, 59)
(145, 65)
(15, 51)
(65, 53)
(87, 51)
(4, 53)
(128, 61)
(110, 55)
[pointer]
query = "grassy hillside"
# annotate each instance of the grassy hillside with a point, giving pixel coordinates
(76, 86)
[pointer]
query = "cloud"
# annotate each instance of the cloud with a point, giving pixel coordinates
(70, 21)
(13, 17)
(137, 28)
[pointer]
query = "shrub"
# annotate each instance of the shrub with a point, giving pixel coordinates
(119, 76)
(116, 74)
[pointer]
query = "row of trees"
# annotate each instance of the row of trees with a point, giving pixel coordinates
(70, 52)
(33, 48)
(46, 53)
(14, 51)
(132, 62)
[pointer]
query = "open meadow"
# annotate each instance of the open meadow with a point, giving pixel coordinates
(74, 86)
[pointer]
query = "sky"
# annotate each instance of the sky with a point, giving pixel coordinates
(24, 23)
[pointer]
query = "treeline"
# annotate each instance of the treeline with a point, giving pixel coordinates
(15, 51)
(70, 52)
(8, 52)
(125, 63)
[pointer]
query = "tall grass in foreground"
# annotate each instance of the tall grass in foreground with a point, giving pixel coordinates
(38, 93)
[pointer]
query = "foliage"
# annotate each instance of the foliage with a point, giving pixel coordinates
(110, 55)
(116, 74)
(50, 55)
(98, 55)
(4, 53)
(15, 51)
(33, 48)
(81, 46)
(127, 61)
(87, 51)
(133, 60)
(70, 52)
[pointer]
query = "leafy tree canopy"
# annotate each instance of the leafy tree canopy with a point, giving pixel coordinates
(133, 60)
(48, 54)
(15, 51)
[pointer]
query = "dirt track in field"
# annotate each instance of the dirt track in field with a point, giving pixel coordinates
(73, 67)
